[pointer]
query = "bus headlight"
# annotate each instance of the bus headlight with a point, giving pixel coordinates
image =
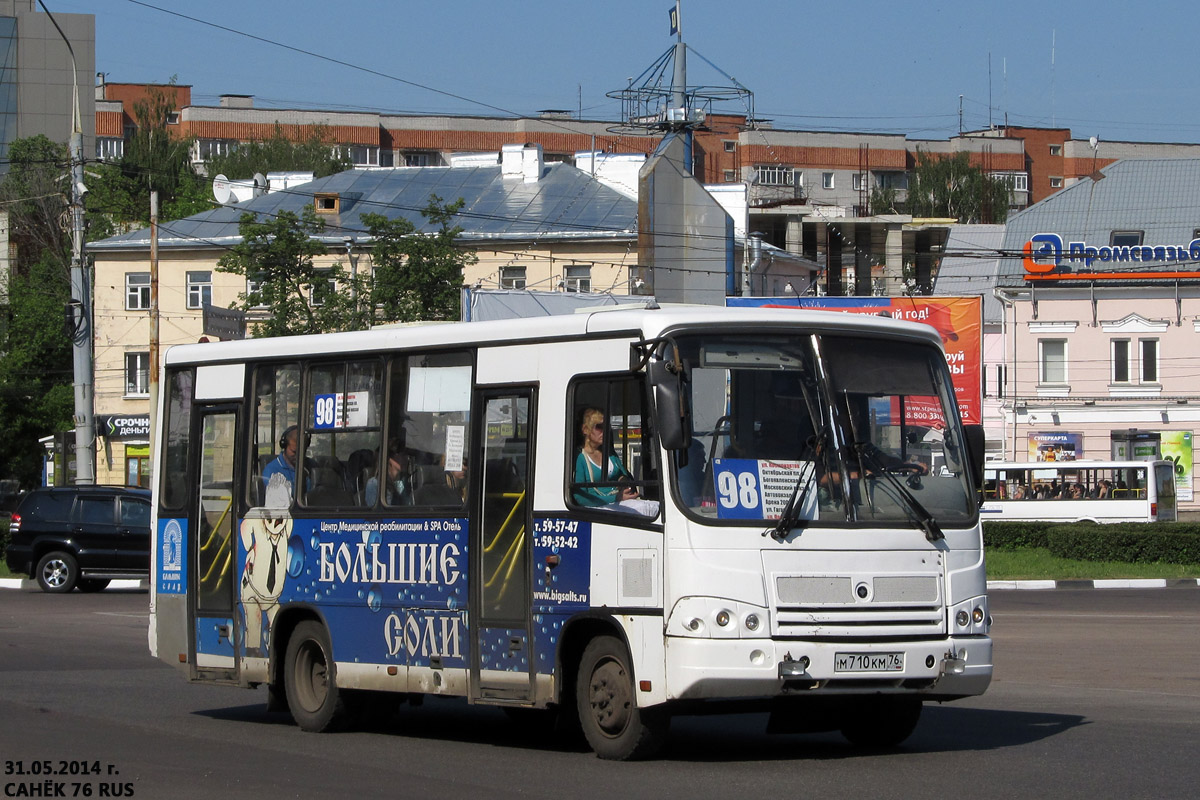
(970, 617)
(716, 618)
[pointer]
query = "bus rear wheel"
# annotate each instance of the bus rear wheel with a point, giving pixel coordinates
(882, 721)
(615, 728)
(311, 680)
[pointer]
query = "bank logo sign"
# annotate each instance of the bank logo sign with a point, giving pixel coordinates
(1047, 257)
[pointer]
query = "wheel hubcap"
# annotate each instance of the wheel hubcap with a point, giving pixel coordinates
(55, 573)
(312, 677)
(610, 697)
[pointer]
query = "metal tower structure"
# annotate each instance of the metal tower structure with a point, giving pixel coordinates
(661, 100)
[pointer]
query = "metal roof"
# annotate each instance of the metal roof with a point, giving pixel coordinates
(1158, 196)
(971, 266)
(564, 203)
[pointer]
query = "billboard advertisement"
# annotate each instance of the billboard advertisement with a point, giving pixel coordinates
(1177, 448)
(959, 321)
(1055, 446)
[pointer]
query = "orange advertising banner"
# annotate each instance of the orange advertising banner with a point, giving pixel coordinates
(958, 320)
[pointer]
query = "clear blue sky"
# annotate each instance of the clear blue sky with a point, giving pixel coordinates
(1120, 72)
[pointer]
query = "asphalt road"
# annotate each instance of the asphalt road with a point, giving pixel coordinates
(1097, 694)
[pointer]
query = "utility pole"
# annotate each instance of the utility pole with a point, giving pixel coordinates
(153, 322)
(81, 296)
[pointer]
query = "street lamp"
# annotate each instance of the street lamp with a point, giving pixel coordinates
(81, 303)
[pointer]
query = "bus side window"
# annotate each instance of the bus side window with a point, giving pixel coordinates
(276, 409)
(610, 463)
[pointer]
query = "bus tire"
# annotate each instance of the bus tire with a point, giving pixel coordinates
(57, 572)
(615, 728)
(310, 679)
(882, 721)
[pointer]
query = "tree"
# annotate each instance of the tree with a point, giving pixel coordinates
(277, 257)
(948, 186)
(417, 276)
(154, 160)
(36, 394)
(317, 154)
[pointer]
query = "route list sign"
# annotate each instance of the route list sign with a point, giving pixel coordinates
(746, 488)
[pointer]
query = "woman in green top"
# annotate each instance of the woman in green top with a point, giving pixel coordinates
(591, 468)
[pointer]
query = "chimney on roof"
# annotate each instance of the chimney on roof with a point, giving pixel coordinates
(237, 101)
(531, 160)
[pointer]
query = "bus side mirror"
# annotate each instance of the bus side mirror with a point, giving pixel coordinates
(976, 445)
(674, 422)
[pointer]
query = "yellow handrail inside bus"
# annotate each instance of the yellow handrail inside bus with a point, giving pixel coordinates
(520, 498)
(510, 558)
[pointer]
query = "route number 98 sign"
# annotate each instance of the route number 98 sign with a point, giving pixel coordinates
(752, 489)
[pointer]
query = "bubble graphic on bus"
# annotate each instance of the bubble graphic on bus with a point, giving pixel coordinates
(374, 599)
(295, 556)
(315, 542)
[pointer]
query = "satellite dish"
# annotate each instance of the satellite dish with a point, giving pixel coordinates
(1094, 142)
(260, 184)
(222, 191)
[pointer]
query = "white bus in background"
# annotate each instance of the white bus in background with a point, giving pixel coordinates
(1073, 491)
(791, 550)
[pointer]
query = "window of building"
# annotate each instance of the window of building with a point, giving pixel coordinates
(137, 291)
(322, 288)
(1052, 360)
(512, 277)
(892, 180)
(773, 175)
(730, 145)
(857, 181)
(578, 278)
(362, 155)
(326, 203)
(137, 468)
(137, 373)
(109, 148)
(1056, 149)
(199, 289)
(211, 148)
(252, 294)
(1056, 182)
(172, 117)
(729, 176)
(1125, 238)
(610, 471)
(1149, 365)
(413, 158)
(1120, 361)
(826, 180)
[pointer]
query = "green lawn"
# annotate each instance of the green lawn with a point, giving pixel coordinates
(1037, 563)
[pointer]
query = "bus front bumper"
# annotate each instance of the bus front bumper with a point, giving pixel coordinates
(726, 668)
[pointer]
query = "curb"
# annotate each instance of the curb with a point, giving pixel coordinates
(1111, 583)
(26, 583)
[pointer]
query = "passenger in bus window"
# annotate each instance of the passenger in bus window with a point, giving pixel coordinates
(399, 486)
(279, 476)
(591, 467)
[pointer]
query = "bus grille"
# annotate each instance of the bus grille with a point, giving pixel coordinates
(831, 607)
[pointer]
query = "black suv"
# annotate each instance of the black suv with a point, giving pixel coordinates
(80, 536)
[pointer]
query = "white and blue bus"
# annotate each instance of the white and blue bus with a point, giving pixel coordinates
(615, 516)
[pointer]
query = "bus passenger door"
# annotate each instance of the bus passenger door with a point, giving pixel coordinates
(502, 657)
(213, 547)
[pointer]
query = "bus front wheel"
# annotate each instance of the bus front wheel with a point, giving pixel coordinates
(605, 695)
(312, 692)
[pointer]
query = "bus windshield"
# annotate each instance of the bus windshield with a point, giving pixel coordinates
(832, 429)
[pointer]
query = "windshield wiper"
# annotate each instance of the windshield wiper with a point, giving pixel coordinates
(790, 516)
(920, 515)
